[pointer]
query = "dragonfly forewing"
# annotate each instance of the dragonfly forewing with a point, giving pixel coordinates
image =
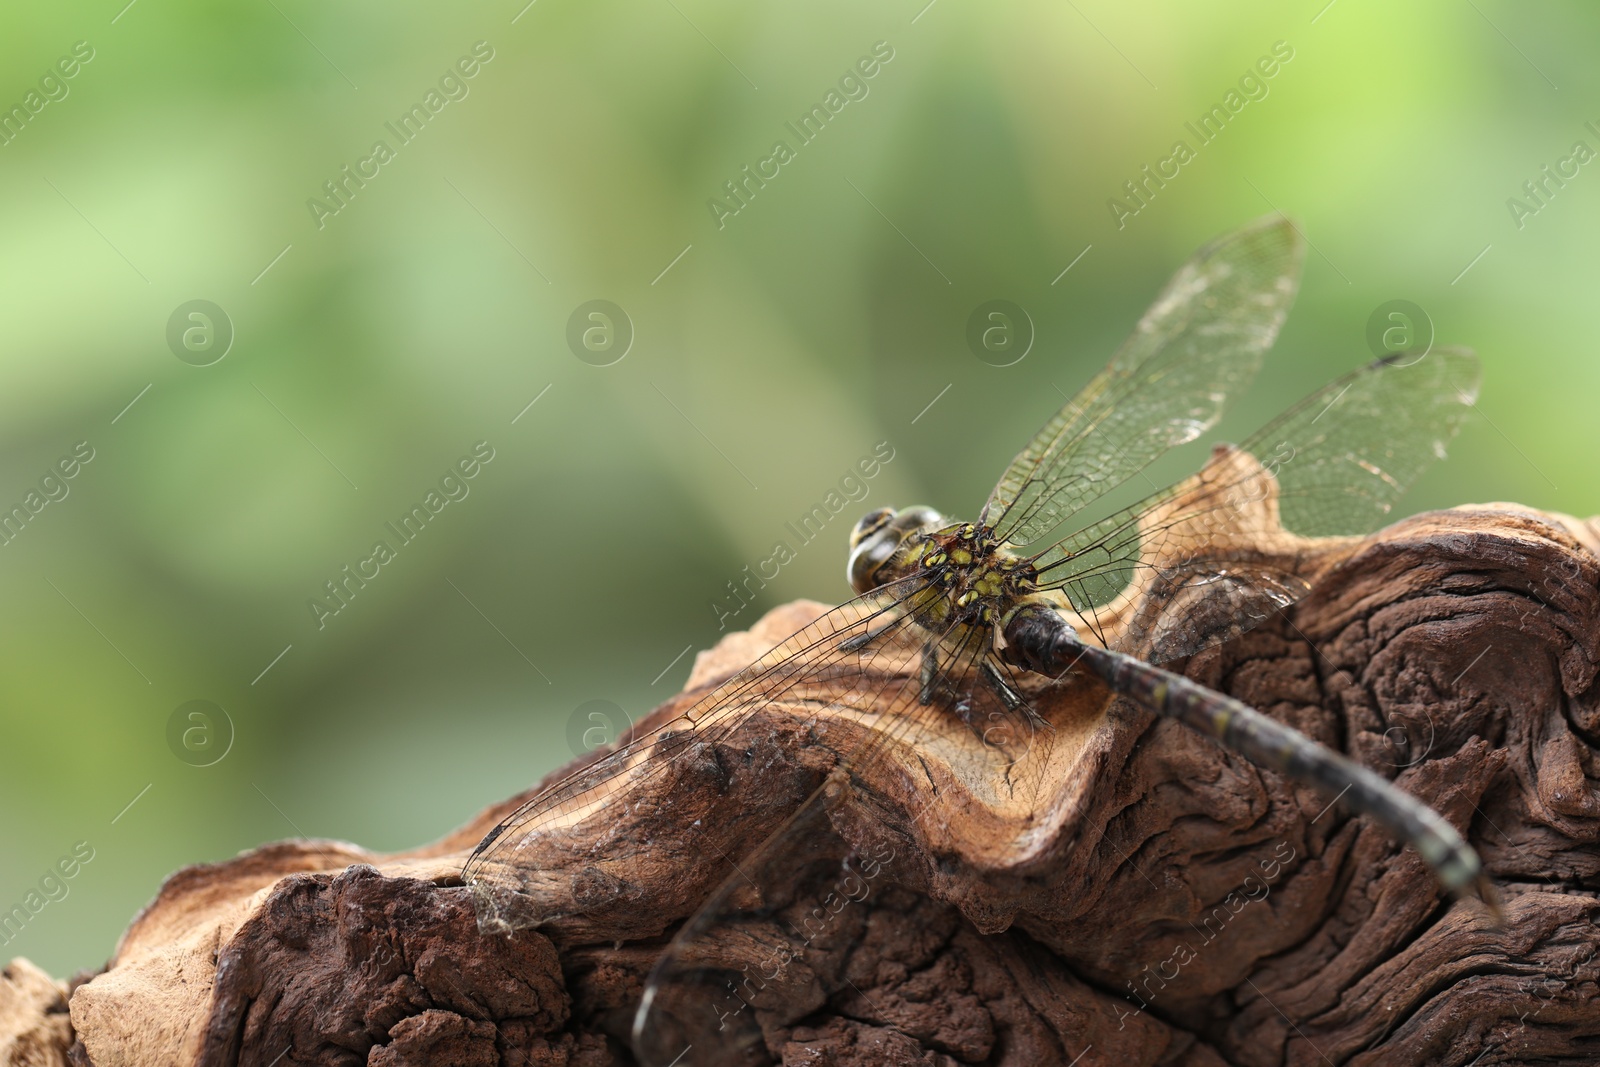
(1201, 342)
(870, 674)
(510, 871)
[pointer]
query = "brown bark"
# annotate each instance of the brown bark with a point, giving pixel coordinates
(1454, 652)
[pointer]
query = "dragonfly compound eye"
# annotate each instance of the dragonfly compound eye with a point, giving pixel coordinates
(869, 553)
(870, 523)
(878, 536)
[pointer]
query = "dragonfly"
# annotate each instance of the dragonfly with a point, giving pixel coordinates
(963, 625)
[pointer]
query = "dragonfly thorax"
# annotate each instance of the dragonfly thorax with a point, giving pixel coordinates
(979, 580)
(961, 572)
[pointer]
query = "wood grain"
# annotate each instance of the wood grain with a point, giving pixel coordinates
(1140, 896)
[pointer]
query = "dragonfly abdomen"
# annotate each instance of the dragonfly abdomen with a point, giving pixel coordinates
(1038, 639)
(1043, 641)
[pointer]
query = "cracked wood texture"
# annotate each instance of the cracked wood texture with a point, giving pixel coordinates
(1160, 901)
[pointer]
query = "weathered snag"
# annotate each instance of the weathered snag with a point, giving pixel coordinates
(1139, 896)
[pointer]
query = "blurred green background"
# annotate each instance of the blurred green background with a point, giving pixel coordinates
(768, 355)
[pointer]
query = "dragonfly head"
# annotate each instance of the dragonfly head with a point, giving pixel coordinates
(878, 536)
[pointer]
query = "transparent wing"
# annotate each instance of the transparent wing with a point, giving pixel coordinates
(1346, 453)
(773, 944)
(1202, 339)
(1207, 559)
(857, 657)
(507, 872)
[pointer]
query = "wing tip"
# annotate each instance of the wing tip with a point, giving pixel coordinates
(1460, 367)
(1273, 228)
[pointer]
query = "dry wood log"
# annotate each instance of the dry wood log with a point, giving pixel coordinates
(1159, 901)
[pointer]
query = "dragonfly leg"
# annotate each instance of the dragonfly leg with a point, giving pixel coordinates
(1014, 701)
(1002, 688)
(930, 672)
(866, 637)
